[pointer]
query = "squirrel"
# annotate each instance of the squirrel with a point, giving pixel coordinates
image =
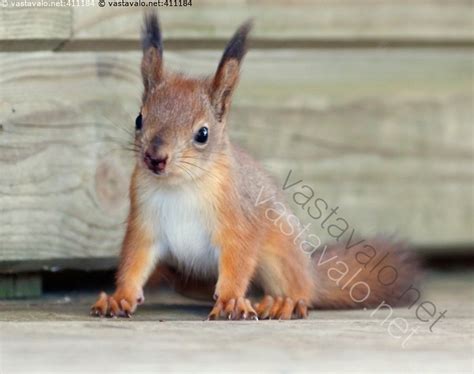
(193, 213)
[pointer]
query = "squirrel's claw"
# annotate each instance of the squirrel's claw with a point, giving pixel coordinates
(112, 307)
(281, 308)
(99, 309)
(233, 309)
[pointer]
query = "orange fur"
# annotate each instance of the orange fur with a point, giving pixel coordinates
(239, 244)
(137, 261)
(137, 258)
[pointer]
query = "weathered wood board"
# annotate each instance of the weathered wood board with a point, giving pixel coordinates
(386, 135)
(309, 20)
(34, 28)
(33, 332)
(278, 24)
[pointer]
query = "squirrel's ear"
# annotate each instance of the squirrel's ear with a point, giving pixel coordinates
(227, 73)
(152, 44)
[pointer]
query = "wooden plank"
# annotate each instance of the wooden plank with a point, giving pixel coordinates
(287, 23)
(20, 286)
(34, 335)
(384, 135)
(208, 23)
(34, 28)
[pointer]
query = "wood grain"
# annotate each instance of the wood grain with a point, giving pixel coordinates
(34, 331)
(34, 28)
(431, 20)
(386, 135)
(278, 24)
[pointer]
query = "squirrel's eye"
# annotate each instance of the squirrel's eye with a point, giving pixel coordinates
(202, 135)
(138, 122)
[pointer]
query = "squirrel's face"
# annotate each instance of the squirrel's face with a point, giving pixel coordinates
(177, 132)
(181, 128)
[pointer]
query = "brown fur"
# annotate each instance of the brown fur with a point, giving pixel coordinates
(236, 196)
(377, 275)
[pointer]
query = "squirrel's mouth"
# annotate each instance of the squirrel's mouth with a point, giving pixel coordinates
(168, 174)
(157, 172)
(156, 163)
(169, 171)
(153, 168)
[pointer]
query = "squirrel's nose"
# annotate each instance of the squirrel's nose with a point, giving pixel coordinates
(155, 163)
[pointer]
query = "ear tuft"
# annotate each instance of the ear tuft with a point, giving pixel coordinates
(227, 74)
(151, 33)
(152, 62)
(237, 46)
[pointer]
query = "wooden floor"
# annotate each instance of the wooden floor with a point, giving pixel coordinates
(55, 334)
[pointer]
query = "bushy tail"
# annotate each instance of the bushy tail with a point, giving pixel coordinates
(365, 274)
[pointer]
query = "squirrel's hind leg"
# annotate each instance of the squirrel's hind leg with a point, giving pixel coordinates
(284, 274)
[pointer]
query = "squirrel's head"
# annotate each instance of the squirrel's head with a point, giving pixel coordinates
(181, 128)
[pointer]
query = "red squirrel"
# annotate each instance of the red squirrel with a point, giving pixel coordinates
(193, 208)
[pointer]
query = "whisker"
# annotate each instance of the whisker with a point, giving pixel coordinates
(125, 129)
(209, 173)
(198, 158)
(186, 171)
(131, 149)
(197, 166)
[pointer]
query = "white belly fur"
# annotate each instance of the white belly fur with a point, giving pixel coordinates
(182, 230)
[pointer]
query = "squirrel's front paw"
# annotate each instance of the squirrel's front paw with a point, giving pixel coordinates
(233, 309)
(120, 304)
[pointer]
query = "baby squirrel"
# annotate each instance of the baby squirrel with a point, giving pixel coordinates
(194, 213)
